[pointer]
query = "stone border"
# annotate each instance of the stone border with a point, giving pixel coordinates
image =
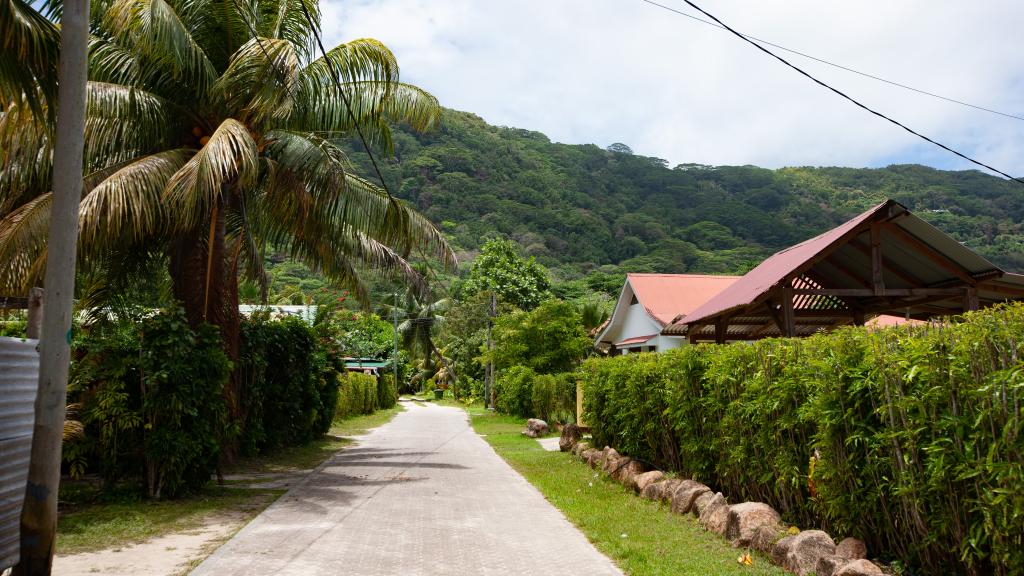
(747, 525)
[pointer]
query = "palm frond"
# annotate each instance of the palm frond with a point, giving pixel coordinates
(26, 149)
(230, 158)
(220, 26)
(126, 208)
(29, 47)
(124, 123)
(367, 71)
(153, 28)
(285, 19)
(313, 184)
(258, 83)
(113, 63)
(22, 238)
(408, 104)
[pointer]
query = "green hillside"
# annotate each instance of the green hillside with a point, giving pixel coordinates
(582, 210)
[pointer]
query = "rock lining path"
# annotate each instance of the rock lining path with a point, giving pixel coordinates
(421, 495)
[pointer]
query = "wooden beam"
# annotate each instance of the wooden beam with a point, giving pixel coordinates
(939, 259)
(865, 293)
(788, 318)
(831, 261)
(888, 264)
(1008, 290)
(693, 332)
(877, 280)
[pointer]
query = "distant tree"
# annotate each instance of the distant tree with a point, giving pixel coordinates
(518, 281)
(550, 339)
(365, 335)
(619, 148)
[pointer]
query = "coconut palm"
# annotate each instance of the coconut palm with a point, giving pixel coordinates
(212, 130)
(423, 317)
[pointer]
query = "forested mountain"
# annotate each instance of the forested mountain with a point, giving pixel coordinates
(583, 210)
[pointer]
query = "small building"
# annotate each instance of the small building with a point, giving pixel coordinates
(650, 302)
(369, 366)
(886, 261)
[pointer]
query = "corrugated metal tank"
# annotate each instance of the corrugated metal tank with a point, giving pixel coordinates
(19, 381)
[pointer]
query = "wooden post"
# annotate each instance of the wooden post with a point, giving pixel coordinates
(35, 313)
(788, 315)
(877, 280)
(721, 327)
(970, 299)
(858, 317)
(579, 404)
(39, 514)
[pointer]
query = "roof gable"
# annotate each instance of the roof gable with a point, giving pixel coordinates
(667, 296)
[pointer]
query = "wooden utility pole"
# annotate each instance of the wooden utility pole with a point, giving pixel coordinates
(489, 394)
(39, 515)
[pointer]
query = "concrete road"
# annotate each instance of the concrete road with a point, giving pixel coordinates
(422, 495)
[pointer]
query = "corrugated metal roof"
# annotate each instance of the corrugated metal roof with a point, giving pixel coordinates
(925, 271)
(666, 296)
(19, 381)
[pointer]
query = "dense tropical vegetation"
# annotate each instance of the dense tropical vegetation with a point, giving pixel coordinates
(908, 438)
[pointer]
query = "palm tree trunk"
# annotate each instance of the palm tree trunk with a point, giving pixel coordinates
(212, 299)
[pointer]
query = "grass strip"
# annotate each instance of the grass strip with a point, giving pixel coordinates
(642, 537)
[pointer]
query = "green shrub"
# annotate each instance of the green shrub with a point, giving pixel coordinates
(514, 391)
(357, 395)
(151, 399)
(387, 392)
(908, 438)
(289, 377)
(543, 396)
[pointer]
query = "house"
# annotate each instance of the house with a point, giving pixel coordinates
(886, 261)
(650, 302)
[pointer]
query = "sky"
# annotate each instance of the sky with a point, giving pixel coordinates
(605, 71)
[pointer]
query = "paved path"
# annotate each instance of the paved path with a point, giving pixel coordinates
(422, 495)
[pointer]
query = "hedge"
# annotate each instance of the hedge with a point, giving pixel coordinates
(908, 438)
(522, 392)
(358, 395)
(289, 377)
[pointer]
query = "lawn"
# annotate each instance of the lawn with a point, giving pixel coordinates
(642, 537)
(91, 519)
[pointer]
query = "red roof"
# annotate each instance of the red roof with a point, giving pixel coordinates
(634, 340)
(773, 270)
(666, 296)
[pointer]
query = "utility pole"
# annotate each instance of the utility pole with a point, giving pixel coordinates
(39, 515)
(489, 394)
(394, 355)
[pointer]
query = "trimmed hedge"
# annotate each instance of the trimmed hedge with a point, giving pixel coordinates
(290, 383)
(907, 438)
(522, 392)
(387, 392)
(358, 395)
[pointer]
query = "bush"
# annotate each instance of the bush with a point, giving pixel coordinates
(289, 386)
(514, 391)
(543, 396)
(387, 392)
(151, 399)
(909, 438)
(357, 395)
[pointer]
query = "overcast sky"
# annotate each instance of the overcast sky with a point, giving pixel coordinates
(604, 71)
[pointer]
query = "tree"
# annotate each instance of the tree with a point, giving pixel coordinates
(212, 131)
(422, 320)
(499, 268)
(549, 340)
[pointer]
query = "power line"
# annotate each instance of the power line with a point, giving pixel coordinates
(344, 97)
(839, 66)
(840, 93)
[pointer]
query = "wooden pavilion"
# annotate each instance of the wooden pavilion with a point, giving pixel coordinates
(885, 261)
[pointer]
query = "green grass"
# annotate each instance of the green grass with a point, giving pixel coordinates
(642, 537)
(90, 520)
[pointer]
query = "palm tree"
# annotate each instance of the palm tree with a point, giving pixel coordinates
(422, 319)
(213, 130)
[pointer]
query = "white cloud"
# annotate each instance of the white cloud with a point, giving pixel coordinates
(603, 71)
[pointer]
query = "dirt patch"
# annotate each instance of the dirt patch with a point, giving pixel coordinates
(169, 555)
